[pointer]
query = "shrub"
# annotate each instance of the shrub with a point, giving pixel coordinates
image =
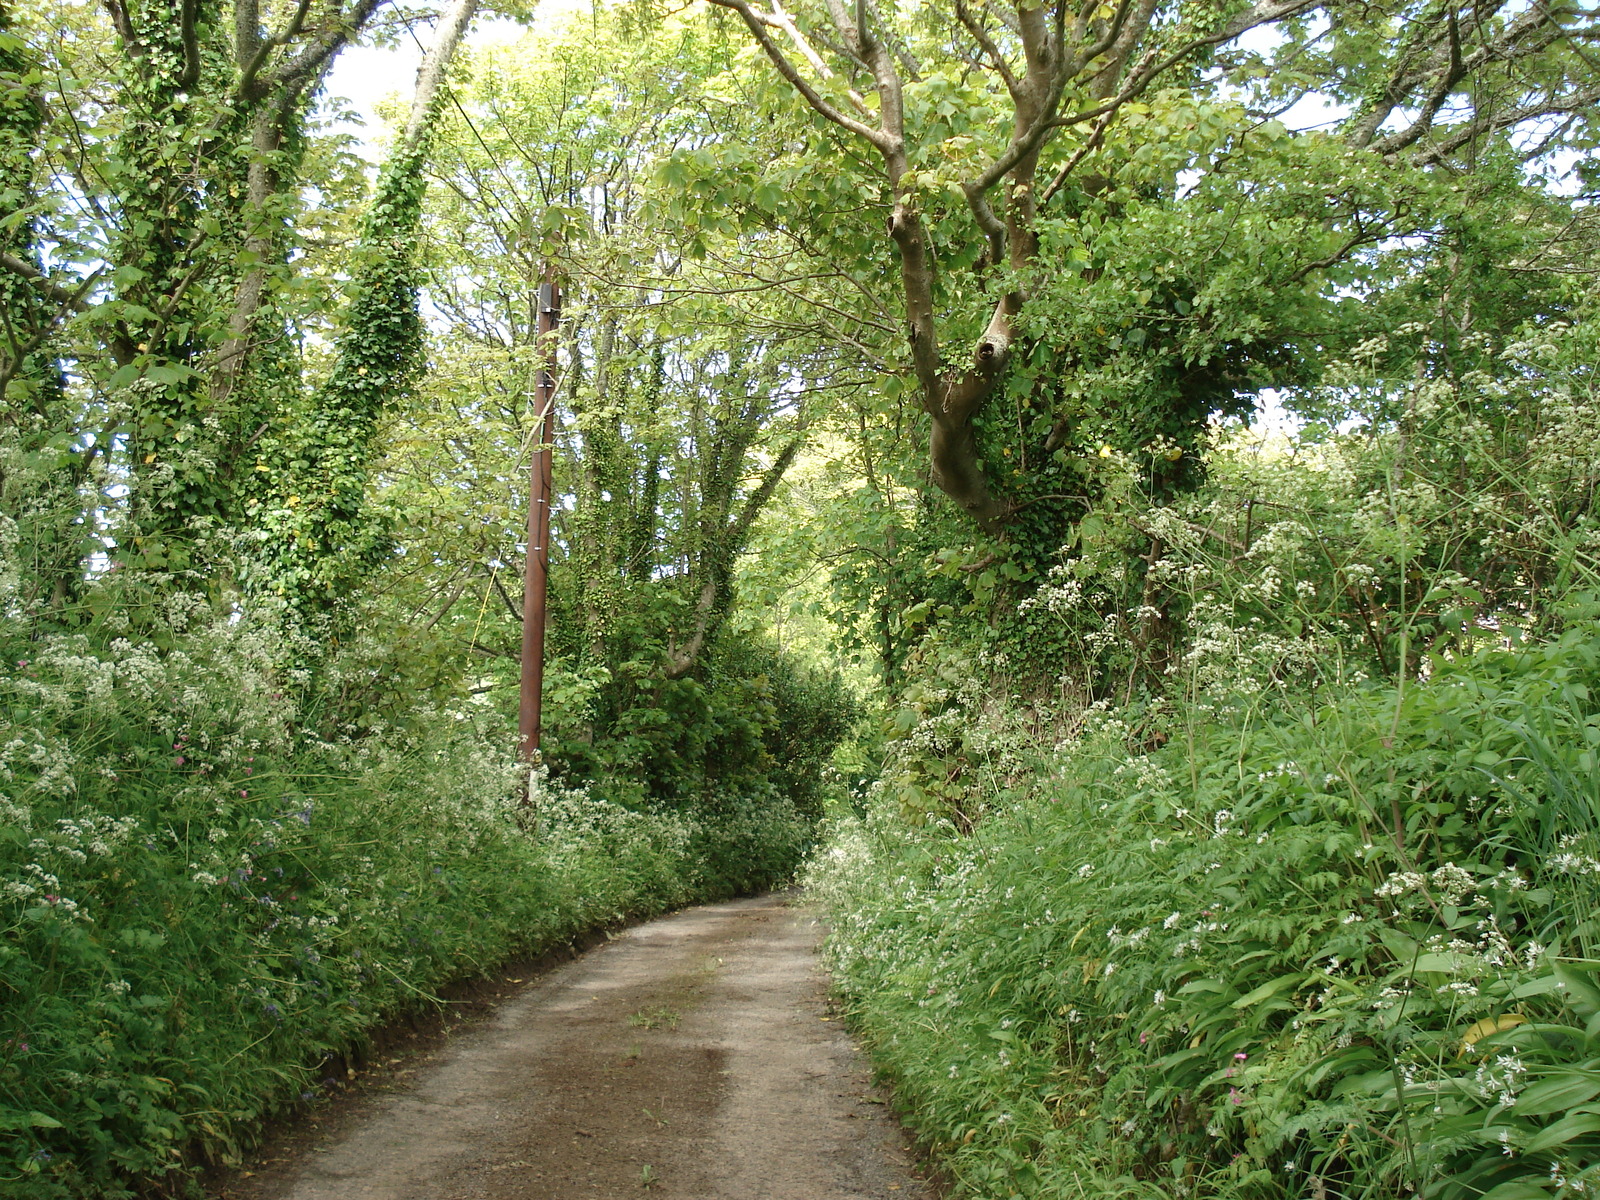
(1337, 947)
(205, 898)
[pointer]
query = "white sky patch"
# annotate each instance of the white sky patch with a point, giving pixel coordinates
(363, 77)
(1272, 418)
(367, 78)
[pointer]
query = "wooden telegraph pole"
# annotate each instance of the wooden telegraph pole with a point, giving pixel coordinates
(537, 569)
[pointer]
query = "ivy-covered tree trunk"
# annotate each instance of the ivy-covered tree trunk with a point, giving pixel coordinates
(317, 536)
(41, 465)
(183, 359)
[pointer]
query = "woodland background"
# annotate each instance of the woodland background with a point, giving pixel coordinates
(1202, 806)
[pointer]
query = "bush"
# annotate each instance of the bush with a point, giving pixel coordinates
(1345, 947)
(205, 899)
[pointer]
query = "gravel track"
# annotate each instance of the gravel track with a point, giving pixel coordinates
(691, 1058)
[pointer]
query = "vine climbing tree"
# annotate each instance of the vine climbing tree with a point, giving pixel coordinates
(316, 535)
(166, 266)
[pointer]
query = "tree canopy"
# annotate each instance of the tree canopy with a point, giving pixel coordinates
(1121, 476)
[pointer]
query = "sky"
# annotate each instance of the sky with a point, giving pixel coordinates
(365, 76)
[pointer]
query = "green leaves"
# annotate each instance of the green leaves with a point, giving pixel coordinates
(1517, 1189)
(1559, 1093)
(1269, 990)
(1560, 1132)
(14, 1120)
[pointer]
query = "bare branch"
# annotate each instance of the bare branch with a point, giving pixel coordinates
(1082, 152)
(1035, 36)
(299, 72)
(1117, 55)
(450, 602)
(1043, 120)
(850, 31)
(988, 46)
(779, 18)
(993, 228)
(1360, 237)
(246, 30)
(1460, 135)
(1452, 73)
(908, 61)
(757, 500)
(430, 76)
(1440, 65)
(494, 579)
(1400, 82)
(1152, 68)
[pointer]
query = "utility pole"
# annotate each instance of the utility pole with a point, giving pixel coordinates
(537, 569)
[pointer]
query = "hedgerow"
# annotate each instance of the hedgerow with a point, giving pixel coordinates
(1341, 949)
(207, 897)
(1251, 847)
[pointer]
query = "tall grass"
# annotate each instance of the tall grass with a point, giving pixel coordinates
(1333, 949)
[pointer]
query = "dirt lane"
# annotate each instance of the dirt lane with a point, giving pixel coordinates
(692, 1058)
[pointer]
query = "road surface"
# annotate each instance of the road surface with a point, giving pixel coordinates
(695, 1057)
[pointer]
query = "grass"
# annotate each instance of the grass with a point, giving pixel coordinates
(659, 1016)
(1339, 948)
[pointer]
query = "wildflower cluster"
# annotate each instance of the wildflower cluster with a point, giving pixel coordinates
(207, 894)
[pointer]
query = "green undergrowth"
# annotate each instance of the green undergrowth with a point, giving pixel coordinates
(1345, 946)
(205, 901)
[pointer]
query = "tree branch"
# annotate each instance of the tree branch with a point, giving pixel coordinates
(987, 45)
(262, 48)
(758, 29)
(188, 19)
(1451, 74)
(1117, 55)
(1082, 152)
(1441, 64)
(430, 76)
(757, 500)
(1043, 120)
(494, 579)
(1153, 68)
(246, 30)
(296, 73)
(122, 22)
(1460, 135)
(68, 298)
(779, 18)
